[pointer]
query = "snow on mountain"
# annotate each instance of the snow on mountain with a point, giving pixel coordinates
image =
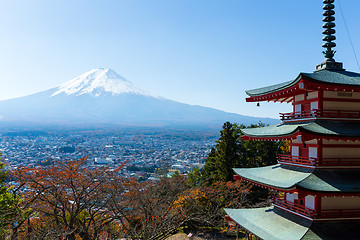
(102, 97)
(97, 82)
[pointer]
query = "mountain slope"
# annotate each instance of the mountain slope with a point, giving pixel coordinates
(101, 96)
(98, 82)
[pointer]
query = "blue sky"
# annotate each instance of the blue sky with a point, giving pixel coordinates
(201, 52)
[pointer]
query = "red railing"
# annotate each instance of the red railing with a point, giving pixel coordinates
(300, 209)
(317, 113)
(291, 160)
(324, 213)
(315, 162)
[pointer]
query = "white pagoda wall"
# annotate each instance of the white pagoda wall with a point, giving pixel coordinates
(350, 106)
(312, 95)
(341, 105)
(341, 95)
(341, 152)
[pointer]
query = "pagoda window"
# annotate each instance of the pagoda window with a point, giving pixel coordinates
(313, 152)
(314, 105)
(291, 197)
(310, 202)
(297, 109)
(295, 151)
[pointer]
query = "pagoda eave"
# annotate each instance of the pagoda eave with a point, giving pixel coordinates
(325, 80)
(316, 129)
(275, 223)
(270, 223)
(288, 179)
(263, 185)
(272, 177)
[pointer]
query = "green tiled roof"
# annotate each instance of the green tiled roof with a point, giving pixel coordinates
(269, 89)
(286, 177)
(275, 176)
(318, 127)
(333, 230)
(267, 224)
(323, 76)
(345, 180)
(271, 223)
(335, 77)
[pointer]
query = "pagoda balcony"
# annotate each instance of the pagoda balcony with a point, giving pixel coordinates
(318, 113)
(315, 162)
(297, 160)
(313, 214)
(293, 207)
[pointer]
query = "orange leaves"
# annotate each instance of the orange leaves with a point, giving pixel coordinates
(193, 194)
(70, 197)
(285, 147)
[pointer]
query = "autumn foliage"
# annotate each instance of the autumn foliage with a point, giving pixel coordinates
(71, 201)
(68, 201)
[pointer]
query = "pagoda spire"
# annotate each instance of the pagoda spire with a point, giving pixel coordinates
(329, 31)
(329, 26)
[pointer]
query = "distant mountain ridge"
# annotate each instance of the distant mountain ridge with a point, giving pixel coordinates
(103, 97)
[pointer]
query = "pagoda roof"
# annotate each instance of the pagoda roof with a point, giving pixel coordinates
(317, 127)
(274, 176)
(328, 77)
(272, 223)
(290, 178)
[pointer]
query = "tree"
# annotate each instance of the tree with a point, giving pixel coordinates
(9, 204)
(256, 153)
(68, 200)
(232, 152)
(153, 210)
(147, 210)
(224, 156)
(203, 205)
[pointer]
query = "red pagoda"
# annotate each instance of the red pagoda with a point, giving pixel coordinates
(317, 185)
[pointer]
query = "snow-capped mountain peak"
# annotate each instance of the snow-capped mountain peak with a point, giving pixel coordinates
(99, 81)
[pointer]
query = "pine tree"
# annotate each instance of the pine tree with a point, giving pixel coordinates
(224, 156)
(232, 152)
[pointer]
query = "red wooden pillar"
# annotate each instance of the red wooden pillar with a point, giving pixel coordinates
(320, 150)
(321, 100)
(317, 205)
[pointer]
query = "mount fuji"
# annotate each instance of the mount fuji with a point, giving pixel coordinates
(103, 97)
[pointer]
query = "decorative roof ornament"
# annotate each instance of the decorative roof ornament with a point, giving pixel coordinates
(328, 39)
(329, 30)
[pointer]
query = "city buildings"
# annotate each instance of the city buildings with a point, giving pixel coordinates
(145, 152)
